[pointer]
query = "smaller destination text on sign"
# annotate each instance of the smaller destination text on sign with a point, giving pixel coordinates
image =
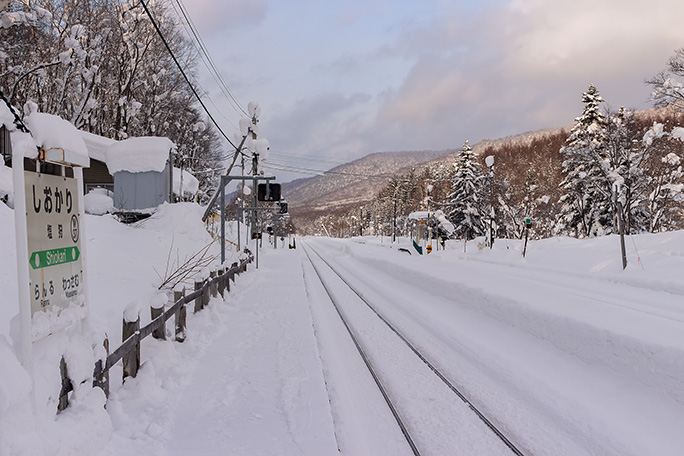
(54, 249)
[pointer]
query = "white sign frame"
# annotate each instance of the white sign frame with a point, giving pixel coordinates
(54, 244)
(23, 265)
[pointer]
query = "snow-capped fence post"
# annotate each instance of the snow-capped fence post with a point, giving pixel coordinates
(156, 310)
(213, 287)
(101, 375)
(132, 334)
(131, 329)
(205, 292)
(181, 315)
(66, 386)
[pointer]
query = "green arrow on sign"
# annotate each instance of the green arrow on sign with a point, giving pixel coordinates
(53, 257)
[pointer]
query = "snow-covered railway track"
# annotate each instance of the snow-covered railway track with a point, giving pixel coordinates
(412, 425)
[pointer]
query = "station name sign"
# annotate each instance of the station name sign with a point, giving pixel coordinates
(54, 251)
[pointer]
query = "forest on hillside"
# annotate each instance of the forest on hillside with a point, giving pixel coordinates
(567, 181)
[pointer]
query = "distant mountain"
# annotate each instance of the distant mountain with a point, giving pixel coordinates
(352, 183)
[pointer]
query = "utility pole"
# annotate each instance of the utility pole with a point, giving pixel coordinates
(622, 235)
(361, 222)
(429, 225)
(394, 216)
(489, 161)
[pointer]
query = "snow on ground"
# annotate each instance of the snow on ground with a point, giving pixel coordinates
(569, 353)
(598, 349)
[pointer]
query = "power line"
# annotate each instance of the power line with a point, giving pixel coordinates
(180, 68)
(208, 61)
(319, 172)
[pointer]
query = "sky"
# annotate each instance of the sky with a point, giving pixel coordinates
(339, 80)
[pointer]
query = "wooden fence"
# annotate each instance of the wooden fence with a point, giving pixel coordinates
(129, 351)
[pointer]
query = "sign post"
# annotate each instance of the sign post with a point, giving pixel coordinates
(528, 224)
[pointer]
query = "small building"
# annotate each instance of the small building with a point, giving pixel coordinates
(142, 171)
(97, 175)
(136, 173)
(428, 226)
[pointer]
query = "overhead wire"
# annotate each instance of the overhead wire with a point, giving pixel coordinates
(185, 21)
(185, 76)
(206, 58)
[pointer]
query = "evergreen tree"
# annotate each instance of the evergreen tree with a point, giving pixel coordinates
(585, 209)
(465, 198)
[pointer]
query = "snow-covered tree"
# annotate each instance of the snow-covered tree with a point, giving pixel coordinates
(668, 88)
(624, 179)
(664, 185)
(585, 208)
(101, 65)
(465, 208)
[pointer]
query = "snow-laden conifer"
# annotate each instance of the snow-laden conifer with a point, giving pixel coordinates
(465, 211)
(584, 210)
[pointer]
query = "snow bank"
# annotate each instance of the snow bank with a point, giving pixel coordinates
(125, 263)
(139, 155)
(585, 271)
(98, 202)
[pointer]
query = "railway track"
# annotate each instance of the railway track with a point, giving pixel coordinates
(415, 437)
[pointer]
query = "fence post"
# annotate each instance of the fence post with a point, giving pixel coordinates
(198, 299)
(205, 288)
(213, 287)
(100, 376)
(181, 315)
(66, 386)
(234, 270)
(156, 309)
(222, 282)
(131, 327)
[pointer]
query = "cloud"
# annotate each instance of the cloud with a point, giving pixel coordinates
(362, 78)
(524, 66)
(211, 16)
(322, 125)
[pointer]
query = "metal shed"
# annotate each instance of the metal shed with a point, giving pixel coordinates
(143, 173)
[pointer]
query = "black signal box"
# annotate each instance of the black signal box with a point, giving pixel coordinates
(268, 192)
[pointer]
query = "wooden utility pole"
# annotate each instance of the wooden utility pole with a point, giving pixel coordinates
(622, 235)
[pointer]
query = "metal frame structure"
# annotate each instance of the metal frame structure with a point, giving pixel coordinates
(224, 181)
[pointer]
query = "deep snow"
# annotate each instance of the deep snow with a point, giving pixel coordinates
(569, 354)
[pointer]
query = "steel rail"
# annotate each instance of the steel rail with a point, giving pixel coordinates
(430, 365)
(366, 360)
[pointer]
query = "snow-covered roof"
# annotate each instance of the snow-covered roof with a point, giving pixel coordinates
(444, 223)
(6, 117)
(139, 155)
(190, 182)
(52, 133)
(96, 145)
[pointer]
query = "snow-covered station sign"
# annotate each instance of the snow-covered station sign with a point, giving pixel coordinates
(54, 242)
(49, 227)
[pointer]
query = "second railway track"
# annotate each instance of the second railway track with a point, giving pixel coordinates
(434, 416)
